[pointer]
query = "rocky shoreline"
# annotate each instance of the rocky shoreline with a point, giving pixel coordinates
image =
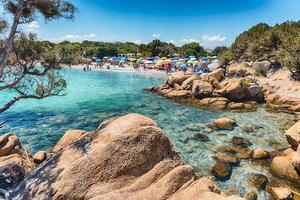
(125, 158)
(236, 87)
(131, 158)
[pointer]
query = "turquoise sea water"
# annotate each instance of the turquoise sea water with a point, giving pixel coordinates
(95, 96)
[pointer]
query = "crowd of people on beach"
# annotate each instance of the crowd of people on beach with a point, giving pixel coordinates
(190, 64)
(87, 68)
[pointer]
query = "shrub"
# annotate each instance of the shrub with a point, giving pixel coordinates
(263, 42)
(260, 70)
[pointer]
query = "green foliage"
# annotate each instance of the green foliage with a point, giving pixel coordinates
(73, 52)
(50, 9)
(34, 68)
(279, 43)
(260, 70)
(194, 49)
(226, 57)
(159, 48)
(218, 51)
(290, 56)
(245, 83)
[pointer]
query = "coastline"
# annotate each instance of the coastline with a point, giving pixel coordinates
(149, 73)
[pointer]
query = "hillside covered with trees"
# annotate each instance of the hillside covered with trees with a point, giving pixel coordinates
(74, 51)
(279, 44)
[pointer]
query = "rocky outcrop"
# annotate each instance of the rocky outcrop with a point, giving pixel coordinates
(214, 103)
(208, 87)
(202, 89)
(68, 138)
(15, 162)
(236, 89)
(177, 77)
(126, 158)
(284, 166)
(218, 74)
(280, 103)
(178, 94)
(237, 82)
(240, 70)
(188, 83)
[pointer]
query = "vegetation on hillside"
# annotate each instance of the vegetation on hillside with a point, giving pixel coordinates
(88, 49)
(279, 44)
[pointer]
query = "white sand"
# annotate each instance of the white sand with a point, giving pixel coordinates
(128, 69)
(283, 85)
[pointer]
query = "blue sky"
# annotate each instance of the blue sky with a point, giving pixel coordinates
(210, 22)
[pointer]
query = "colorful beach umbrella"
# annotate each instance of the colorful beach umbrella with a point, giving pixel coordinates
(184, 66)
(148, 62)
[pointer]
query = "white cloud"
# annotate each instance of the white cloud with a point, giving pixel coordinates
(136, 41)
(76, 38)
(33, 27)
(155, 35)
(171, 41)
(213, 38)
(188, 40)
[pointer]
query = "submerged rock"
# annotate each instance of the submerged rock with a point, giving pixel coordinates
(247, 129)
(200, 137)
(260, 154)
(239, 141)
(230, 158)
(251, 196)
(221, 170)
(127, 158)
(244, 154)
(224, 123)
(258, 181)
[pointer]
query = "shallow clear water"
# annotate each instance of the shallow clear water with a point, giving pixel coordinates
(95, 96)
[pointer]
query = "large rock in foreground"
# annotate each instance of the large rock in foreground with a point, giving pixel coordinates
(127, 158)
(15, 162)
(68, 138)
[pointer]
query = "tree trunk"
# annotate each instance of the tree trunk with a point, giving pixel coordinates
(9, 104)
(8, 44)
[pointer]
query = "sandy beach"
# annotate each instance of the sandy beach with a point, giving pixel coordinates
(127, 69)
